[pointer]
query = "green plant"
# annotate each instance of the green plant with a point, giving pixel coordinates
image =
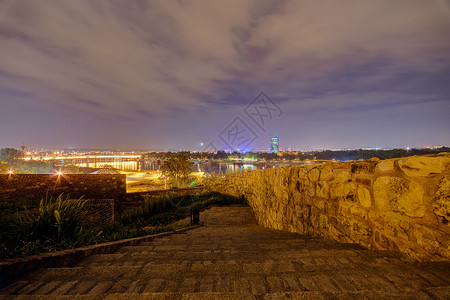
(178, 168)
(9, 155)
(148, 209)
(10, 206)
(4, 167)
(163, 211)
(33, 167)
(57, 224)
(108, 169)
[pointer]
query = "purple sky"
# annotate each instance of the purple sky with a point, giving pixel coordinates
(172, 74)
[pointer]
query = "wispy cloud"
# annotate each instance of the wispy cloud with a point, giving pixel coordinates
(147, 59)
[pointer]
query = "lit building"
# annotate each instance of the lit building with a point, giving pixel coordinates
(274, 144)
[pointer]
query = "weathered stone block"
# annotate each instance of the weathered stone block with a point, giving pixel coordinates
(364, 197)
(397, 194)
(327, 173)
(303, 173)
(360, 229)
(426, 239)
(381, 240)
(344, 191)
(424, 165)
(358, 211)
(345, 206)
(441, 205)
(363, 167)
(314, 174)
(343, 176)
(322, 189)
(385, 165)
(310, 189)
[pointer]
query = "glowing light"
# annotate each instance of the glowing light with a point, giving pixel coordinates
(10, 171)
(59, 173)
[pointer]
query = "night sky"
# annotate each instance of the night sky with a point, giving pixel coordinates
(174, 74)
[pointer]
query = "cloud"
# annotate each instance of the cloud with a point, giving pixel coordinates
(153, 59)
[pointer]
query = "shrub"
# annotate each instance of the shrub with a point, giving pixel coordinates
(166, 210)
(57, 224)
(148, 209)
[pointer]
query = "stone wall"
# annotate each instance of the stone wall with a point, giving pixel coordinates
(36, 186)
(395, 204)
(100, 211)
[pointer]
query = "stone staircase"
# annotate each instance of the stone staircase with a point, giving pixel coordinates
(232, 257)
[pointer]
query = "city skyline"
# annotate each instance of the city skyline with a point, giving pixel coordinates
(183, 75)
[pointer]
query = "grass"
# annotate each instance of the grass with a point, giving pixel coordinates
(165, 210)
(144, 186)
(59, 223)
(11, 206)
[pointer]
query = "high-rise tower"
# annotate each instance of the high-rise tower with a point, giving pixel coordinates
(274, 144)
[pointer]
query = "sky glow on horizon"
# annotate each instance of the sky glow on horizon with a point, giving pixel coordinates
(174, 74)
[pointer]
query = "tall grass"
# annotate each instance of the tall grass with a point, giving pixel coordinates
(57, 224)
(60, 223)
(164, 210)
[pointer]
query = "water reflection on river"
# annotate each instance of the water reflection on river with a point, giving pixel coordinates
(204, 166)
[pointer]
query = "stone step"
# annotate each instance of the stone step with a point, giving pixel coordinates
(338, 285)
(145, 270)
(246, 296)
(238, 262)
(332, 256)
(228, 238)
(263, 247)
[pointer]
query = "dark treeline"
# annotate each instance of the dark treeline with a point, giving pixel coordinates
(319, 155)
(11, 161)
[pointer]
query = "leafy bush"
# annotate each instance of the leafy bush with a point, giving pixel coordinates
(135, 215)
(11, 206)
(108, 169)
(166, 210)
(33, 167)
(56, 224)
(71, 169)
(4, 167)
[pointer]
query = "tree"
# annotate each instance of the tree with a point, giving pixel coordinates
(178, 168)
(108, 169)
(10, 154)
(4, 167)
(71, 169)
(33, 167)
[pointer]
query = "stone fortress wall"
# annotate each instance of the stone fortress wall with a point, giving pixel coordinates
(394, 204)
(37, 186)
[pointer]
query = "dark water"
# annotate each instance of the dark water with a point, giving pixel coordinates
(197, 166)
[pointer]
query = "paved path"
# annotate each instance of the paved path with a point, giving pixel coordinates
(234, 258)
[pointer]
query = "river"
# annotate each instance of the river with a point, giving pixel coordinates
(127, 164)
